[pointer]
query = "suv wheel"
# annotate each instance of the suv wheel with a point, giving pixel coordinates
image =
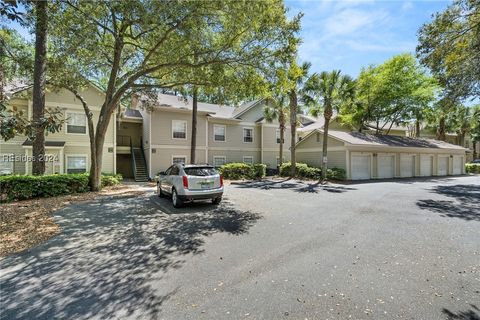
(217, 200)
(177, 203)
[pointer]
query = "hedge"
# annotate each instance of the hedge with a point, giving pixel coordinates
(472, 167)
(240, 170)
(18, 187)
(303, 171)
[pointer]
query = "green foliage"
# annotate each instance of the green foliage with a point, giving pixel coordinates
(472, 167)
(240, 170)
(111, 179)
(259, 170)
(303, 171)
(28, 187)
(449, 47)
(237, 171)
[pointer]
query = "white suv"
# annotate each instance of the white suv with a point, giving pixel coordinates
(190, 182)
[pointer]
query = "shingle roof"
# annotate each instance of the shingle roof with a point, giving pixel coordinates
(47, 143)
(358, 138)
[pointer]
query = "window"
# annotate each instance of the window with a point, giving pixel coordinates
(219, 161)
(248, 135)
(277, 135)
(6, 164)
(179, 129)
(175, 171)
(76, 164)
(76, 123)
(200, 171)
(248, 159)
(218, 133)
(179, 159)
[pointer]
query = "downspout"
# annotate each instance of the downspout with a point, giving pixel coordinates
(261, 142)
(115, 142)
(150, 145)
(206, 138)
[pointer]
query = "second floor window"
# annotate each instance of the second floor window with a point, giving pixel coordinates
(277, 135)
(218, 133)
(247, 134)
(76, 123)
(179, 129)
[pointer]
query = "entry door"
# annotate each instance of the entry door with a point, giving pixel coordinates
(457, 165)
(386, 165)
(442, 166)
(407, 166)
(360, 167)
(425, 166)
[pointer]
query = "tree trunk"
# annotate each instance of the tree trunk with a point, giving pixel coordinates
(39, 81)
(293, 131)
(327, 115)
(417, 129)
(441, 129)
(474, 149)
(194, 125)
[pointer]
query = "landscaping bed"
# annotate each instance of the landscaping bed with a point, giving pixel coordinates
(26, 223)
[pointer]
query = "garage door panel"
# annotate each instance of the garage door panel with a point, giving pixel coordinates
(442, 166)
(386, 166)
(360, 167)
(425, 166)
(407, 166)
(457, 164)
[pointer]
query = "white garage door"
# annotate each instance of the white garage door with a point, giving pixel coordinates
(457, 164)
(386, 165)
(425, 166)
(407, 166)
(360, 167)
(442, 166)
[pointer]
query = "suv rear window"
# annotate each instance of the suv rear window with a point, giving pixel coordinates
(200, 171)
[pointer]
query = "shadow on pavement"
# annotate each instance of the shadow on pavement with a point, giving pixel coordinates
(295, 185)
(472, 314)
(465, 203)
(105, 263)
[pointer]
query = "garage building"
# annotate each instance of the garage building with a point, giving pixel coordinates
(365, 156)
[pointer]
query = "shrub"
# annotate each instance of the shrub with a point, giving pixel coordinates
(110, 179)
(303, 171)
(259, 170)
(27, 187)
(472, 167)
(336, 174)
(237, 170)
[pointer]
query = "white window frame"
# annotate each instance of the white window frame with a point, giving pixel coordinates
(66, 124)
(186, 129)
(224, 132)
(12, 163)
(180, 156)
(253, 134)
(76, 155)
(219, 157)
(277, 136)
(248, 157)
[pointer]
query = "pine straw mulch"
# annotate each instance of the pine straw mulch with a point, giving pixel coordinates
(24, 224)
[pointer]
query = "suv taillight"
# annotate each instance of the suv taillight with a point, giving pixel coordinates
(185, 182)
(221, 181)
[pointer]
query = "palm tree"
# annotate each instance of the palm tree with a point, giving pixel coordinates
(331, 90)
(297, 76)
(278, 110)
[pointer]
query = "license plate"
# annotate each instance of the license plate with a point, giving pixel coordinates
(207, 185)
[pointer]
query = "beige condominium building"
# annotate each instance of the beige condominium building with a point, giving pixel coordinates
(153, 133)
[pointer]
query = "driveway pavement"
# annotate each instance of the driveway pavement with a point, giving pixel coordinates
(278, 249)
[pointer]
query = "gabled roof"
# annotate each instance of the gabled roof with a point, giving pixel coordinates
(364, 139)
(245, 107)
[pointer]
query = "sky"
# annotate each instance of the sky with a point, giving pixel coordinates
(351, 34)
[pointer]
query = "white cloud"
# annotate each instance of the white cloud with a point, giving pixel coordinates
(349, 21)
(407, 5)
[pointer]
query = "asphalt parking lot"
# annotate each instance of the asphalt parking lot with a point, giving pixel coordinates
(276, 249)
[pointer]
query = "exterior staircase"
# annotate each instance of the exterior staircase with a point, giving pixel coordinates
(139, 165)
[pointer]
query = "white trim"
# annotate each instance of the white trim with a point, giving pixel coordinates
(369, 154)
(279, 136)
(206, 139)
(234, 149)
(261, 143)
(224, 134)
(219, 157)
(243, 134)
(114, 117)
(179, 156)
(172, 146)
(66, 123)
(149, 147)
(321, 149)
(27, 162)
(247, 157)
(12, 163)
(68, 155)
(186, 129)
